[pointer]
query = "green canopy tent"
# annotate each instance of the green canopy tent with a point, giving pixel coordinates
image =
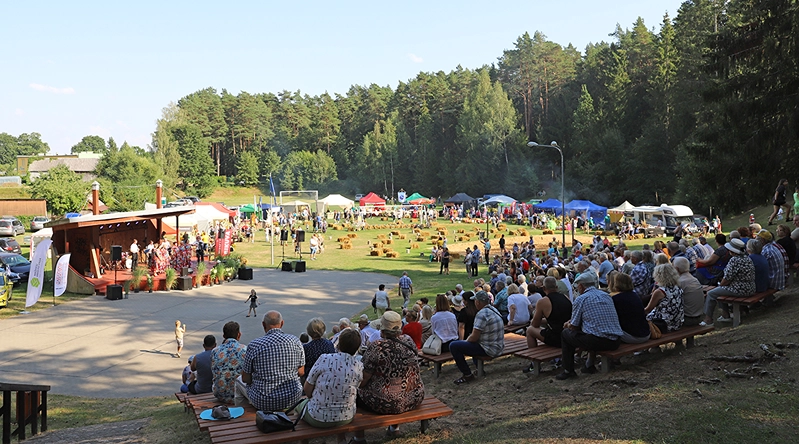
(248, 209)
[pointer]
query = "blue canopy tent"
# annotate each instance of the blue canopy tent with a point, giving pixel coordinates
(597, 212)
(553, 205)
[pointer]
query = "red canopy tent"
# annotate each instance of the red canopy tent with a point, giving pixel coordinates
(372, 199)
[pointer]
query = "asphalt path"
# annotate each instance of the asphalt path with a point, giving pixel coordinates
(100, 348)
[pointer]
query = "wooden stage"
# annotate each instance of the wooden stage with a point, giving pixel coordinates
(159, 281)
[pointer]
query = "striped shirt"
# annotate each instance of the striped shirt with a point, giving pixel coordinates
(777, 264)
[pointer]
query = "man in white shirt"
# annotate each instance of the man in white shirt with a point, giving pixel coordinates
(134, 253)
(518, 309)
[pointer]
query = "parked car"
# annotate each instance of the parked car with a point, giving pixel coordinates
(6, 228)
(38, 222)
(194, 199)
(17, 264)
(358, 197)
(9, 245)
(16, 226)
(6, 287)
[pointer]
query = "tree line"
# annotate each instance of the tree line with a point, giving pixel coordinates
(702, 111)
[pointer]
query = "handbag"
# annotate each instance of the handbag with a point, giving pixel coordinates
(432, 346)
(269, 422)
(654, 331)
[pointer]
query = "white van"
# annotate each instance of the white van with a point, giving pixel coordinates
(667, 216)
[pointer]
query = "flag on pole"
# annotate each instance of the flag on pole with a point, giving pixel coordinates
(36, 277)
(272, 189)
(61, 269)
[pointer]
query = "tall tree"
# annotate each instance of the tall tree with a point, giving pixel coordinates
(63, 190)
(92, 144)
(196, 167)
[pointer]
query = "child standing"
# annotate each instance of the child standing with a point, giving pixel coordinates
(179, 332)
(253, 300)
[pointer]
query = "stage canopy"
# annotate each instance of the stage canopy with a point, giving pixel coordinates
(372, 199)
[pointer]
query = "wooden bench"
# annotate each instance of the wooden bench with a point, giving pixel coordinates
(513, 343)
(687, 333)
(514, 328)
(31, 406)
(539, 354)
(243, 429)
(737, 302)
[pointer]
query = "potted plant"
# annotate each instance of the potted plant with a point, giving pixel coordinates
(245, 272)
(126, 285)
(212, 276)
(202, 267)
(220, 272)
(171, 278)
(137, 275)
(149, 283)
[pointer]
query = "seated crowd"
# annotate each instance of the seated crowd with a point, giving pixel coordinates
(593, 301)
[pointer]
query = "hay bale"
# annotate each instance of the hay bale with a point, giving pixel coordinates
(414, 245)
(352, 235)
(420, 239)
(343, 239)
(461, 231)
(455, 255)
(388, 241)
(345, 246)
(381, 236)
(387, 250)
(547, 232)
(425, 233)
(392, 254)
(402, 236)
(395, 233)
(377, 245)
(377, 253)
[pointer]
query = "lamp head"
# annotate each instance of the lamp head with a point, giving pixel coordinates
(553, 143)
(531, 144)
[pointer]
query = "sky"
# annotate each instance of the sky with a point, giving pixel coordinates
(108, 68)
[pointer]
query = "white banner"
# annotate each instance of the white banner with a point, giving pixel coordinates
(36, 277)
(61, 271)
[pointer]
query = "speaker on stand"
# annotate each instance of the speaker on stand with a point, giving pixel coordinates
(300, 240)
(284, 236)
(116, 258)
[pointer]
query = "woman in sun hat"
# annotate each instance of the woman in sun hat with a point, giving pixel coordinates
(738, 281)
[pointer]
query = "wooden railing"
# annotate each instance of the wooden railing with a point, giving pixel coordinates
(31, 407)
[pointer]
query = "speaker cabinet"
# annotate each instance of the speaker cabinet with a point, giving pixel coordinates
(116, 252)
(300, 236)
(284, 235)
(245, 274)
(184, 283)
(184, 271)
(299, 267)
(113, 292)
(285, 266)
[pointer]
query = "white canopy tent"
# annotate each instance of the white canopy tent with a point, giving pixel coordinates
(337, 200)
(499, 199)
(38, 237)
(623, 208)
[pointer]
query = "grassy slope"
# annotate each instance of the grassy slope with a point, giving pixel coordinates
(648, 399)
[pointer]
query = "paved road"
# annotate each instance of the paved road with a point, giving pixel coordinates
(100, 348)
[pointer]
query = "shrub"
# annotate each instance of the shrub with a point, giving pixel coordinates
(171, 278)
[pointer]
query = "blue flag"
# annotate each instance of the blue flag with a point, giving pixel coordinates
(272, 187)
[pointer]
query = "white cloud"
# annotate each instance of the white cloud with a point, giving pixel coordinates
(415, 58)
(19, 112)
(52, 89)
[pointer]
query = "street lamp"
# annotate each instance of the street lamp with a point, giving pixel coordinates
(554, 144)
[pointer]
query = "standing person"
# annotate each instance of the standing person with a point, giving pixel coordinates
(134, 253)
(779, 200)
(467, 260)
(487, 247)
(253, 300)
(444, 267)
(502, 243)
(314, 243)
(475, 260)
(382, 303)
(406, 288)
(200, 252)
(226, 362)
(795, 202)
(179, 332)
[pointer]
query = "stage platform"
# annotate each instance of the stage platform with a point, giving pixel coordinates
(123, 275)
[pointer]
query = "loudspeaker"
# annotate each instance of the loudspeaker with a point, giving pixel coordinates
(285, 266)
(300, 236)
(299, 267)
(113, 292)
(184, 283)
(245, 274)
(184, 271)
(284, 235)
(116, 252)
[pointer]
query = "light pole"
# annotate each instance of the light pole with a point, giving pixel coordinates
(554, 144)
